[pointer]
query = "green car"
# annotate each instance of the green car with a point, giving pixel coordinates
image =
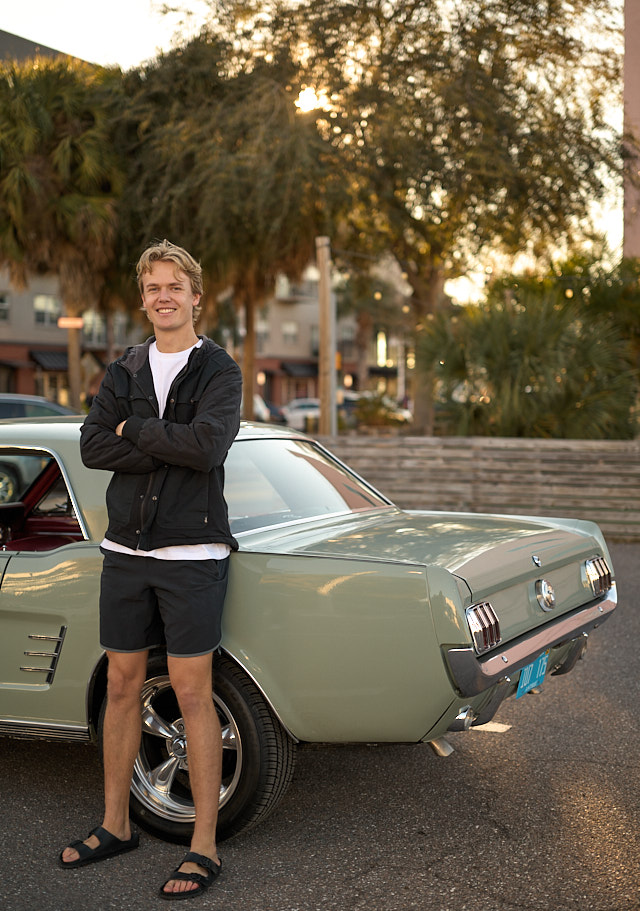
(347, 619)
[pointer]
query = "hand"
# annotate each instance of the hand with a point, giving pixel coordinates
(119, 428)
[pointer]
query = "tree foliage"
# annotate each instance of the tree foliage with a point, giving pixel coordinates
(531, 362)
(223, 163)
(60, 180)
(444, 130)
(460, 127)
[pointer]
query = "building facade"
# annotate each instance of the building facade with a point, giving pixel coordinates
(287, 348)
(33, 348)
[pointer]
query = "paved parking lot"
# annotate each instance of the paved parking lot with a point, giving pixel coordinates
(540, 813)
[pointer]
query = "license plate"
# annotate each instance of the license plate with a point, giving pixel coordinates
(533, 674)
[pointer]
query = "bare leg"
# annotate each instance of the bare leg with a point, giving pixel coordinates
(191, 679)
(121, 742)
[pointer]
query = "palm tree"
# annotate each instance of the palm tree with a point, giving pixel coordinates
(532, 366)
(59, 180)
(224, 164)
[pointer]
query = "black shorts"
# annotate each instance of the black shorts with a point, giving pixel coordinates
(146, 602)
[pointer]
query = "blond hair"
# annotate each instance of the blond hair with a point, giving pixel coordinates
(167, 252)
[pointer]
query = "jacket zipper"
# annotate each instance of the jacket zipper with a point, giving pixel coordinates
(172, 391)
(145, 496)
(145, 500)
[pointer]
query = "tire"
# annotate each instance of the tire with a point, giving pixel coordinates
(257, 764)
(8, 485)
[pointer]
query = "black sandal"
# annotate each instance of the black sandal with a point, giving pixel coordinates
(203, 882)
(109, 846)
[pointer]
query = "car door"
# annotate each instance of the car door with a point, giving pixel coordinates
(48, 608)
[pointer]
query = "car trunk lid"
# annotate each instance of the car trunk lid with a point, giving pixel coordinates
(498, 558)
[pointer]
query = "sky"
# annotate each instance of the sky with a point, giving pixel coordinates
(123, 32)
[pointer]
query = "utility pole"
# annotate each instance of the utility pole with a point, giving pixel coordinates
(327, 330)
(631, 246)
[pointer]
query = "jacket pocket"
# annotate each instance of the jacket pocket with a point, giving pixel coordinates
(183, 500)
(185, 411)
(121, 499)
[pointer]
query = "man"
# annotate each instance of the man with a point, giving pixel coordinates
(163, 421)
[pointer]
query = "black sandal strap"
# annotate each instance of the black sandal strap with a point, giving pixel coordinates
(202, 861)
(82, 850)
(189, 878)
(106, 839)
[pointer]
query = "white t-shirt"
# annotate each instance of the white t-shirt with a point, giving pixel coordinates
(165, 366)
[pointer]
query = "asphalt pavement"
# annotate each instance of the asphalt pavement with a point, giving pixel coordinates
(539, 813)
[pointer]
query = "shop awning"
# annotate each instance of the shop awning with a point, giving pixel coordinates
(50, 360)
(299, 369)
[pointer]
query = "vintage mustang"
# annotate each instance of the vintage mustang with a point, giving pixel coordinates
(347, 619)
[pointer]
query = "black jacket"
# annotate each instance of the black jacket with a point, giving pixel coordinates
(168, 480)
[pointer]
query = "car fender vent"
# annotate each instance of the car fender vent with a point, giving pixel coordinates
(52, 657)
(598, 575)
(484, 626)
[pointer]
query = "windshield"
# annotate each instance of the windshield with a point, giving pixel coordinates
(272, 482)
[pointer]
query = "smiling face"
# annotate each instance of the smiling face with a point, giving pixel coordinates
(168, 300)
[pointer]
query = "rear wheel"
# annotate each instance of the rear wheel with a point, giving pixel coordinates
(257, 765)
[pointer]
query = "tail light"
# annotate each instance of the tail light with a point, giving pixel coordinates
(484, 625)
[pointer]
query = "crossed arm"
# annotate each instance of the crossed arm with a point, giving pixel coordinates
(138, 445)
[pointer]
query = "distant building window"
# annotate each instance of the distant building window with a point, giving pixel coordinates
(120, 328)
(282, 287)
(347, 332)
(347, 339)
(47, 309)
(290, 332)
(262, 335)
(4, 307)
(304, 289)
(94, 329)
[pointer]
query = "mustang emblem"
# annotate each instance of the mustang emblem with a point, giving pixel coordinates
(537, 561)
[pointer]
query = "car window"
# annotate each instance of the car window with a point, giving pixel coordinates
(55, 502)
(18, 471)
(37, 410)
(271, 482)
(12, 410)
(36, 507)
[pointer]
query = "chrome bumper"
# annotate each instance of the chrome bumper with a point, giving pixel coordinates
(473, 675)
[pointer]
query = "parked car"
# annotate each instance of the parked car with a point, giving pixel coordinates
(13, 405)
(378, 409)
(347, 619)
(276, 414)
(265, 412)
(299, 412)
(260, 409)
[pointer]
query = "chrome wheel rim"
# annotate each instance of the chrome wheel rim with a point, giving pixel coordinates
(161, 770)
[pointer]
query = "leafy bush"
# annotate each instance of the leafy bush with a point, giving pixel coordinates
(536, 366)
